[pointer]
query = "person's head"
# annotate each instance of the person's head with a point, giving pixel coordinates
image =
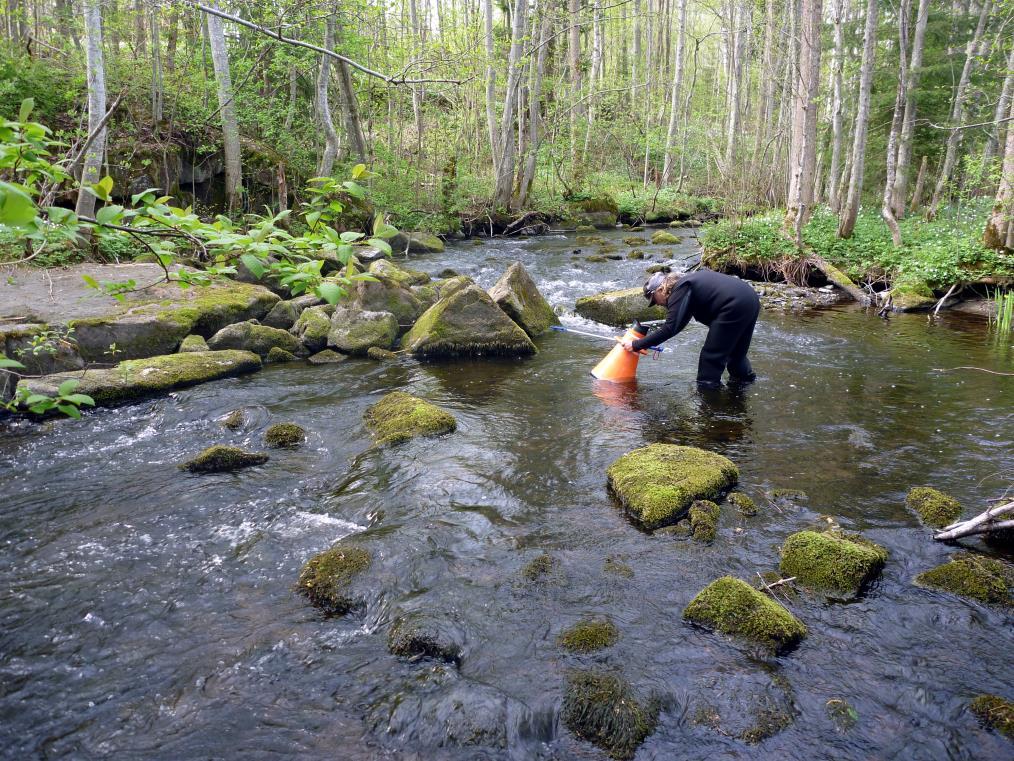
(659, 286)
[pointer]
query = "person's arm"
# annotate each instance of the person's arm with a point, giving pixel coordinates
(676, 318)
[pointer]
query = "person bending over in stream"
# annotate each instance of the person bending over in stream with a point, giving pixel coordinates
(726, 304)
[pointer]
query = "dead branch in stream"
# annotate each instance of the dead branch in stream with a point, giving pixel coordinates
(980, 524)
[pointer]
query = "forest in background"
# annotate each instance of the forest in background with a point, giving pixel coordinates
(464, 110)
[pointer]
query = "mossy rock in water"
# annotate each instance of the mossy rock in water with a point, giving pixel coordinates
(220, 457)
(636, 254)
(354, 331)
(619, 308)
(399, 417)
(284, 435)
(135, 379)
(424, 636)
(732, 606)
(327, 357)
(312, 327)
(381, 355)
(704, 520)
(753, 706)
(589, 635)
(278, 355)
(980, 578)
(911, 296)
(447, 288)
(328, 579)
(539, 568)
(388, 296)
(283, 315)
(664, 238)
(234, 420)
(584, 229)
(467, 323)
(518, 296)
(194, 342)
(635, 241)
(590, 240)
(259, 339)
(651, 270)
(417, 242)
(602, 708)
(657, 484)
(995, 713)
(935, 508)
(618, 568)
(743, 502)
(595, 259)
(831, 561)
(403, 276)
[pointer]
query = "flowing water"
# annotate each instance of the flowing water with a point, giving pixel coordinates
(149, 613)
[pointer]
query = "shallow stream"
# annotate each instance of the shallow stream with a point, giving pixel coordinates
(148, 613)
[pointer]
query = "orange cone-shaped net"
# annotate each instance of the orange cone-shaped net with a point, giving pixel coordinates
(619, 365)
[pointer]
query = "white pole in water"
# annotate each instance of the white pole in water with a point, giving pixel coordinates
(564, 329)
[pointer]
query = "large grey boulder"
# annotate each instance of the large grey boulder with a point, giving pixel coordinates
(284, 314)
(312, 327)
(403, 276)
(618, 308)
(417, 243)
(260, 339)
(354, 331)
(467, 323)
(518, 296)
(388, 296)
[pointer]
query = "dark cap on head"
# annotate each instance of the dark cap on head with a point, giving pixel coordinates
(653, 284)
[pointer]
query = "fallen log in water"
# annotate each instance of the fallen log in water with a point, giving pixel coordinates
(980, 524)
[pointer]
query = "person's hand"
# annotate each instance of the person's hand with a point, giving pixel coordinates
(628, 344)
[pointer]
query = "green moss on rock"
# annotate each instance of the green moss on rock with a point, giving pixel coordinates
(636, 254)
(399, 417)
(595, 258)
(538, 568)
(935, 508)
(590, 240)
(328, 579)
(312, 328)
(277, 355)
(745, 505)
(979, 578)
(284, 435)
(732, 606)
(635, 241)
(617, 567)
(194, 342)
(419, 636)
(841, 714)
(704, 520)
(602, 708)
(234, 420)
(381, 355)
(908, 296)
(664, 238)
(248, 336)
(831, 561)
(656, 484)
(518, 296)
(326, 357)
(589, 635)
(403, 276)
(619, 308)
(995, 712)
(220, 457)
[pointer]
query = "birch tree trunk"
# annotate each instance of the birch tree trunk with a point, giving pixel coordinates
(737, 36)
(534, 106)
(574, 60)
(331, 141)
(290, 113)
(767, 104)
(508, 156)
(886, 210)
(85, 206)
(677, 90)
(230, 128)
(850, 211)
(157, 93)
(958, 111)
(999, 231)
(350, 109)
(900, 190)
(804, 121)
(494, 137)
(1002, 104)
(837, 66)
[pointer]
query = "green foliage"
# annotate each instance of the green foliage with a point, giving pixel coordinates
(65, 401)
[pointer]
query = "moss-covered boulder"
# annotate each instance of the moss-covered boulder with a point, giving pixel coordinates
(327, 357)
(664, 238)
(653, 268)
(467, 323)
(277, 355)
(600, 212)
(135, 379)
(935, 508)
(283, 315)
(234, 420)
(987, 580)
(332, 579)
(420, 635)
(589, 635)
(634, 241)
(284, 436)
(912, 296)
(260, 339)
(732, 606)
(832, 561)
(590, 240)
(518, 296)
(657, 484)
(403, 276)
(602, 708)
(995, 713)
(381, 355)
(447, 288)
(220, 458)
(596, 259)
(194, 342)
(354, 331)
(399, 417)
(703, 517)
(388, 296)
(312, 327)
(743, 503)
(636, 254)
(417, 243)
(618, 308)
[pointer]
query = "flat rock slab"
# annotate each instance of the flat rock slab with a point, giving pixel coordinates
(135, 379)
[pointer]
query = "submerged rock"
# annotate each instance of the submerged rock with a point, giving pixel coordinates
(975, 576)
(618, 308)
(420, 635)
(355, 332)
(194, 342)
(602, 708)
(748, 704)
(841, 714)
(539, 568)
(467, 323)
(135, 379)
(732, 606)
(234, 420)
(518, 296)
(935, 508)
(664, 238)
(277, 354)
(912, 296)
(284, 435)
(399, 417)
(312, 328)
(588, 635)
(656, 484)
(703, 520)
(995, 713)
(834, 562)
(220, 458)
(329, 579)
(259, 339)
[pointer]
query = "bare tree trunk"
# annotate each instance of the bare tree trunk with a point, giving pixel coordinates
(739, 34)
(140, 34)
(331, 141)
(886, 210)
(171, 39)
(920, 183)
(804, 121)
(767, 104)
(505, 176)
(92, 166)
(350, 109)
(230, 128)
(900, 191)
(574, 55)
(494, 136)
(999, 231)
(677, 91)
(850, 211)
(837, 65)
(1002, 104)
(417, 93)
(290, 113)
(595, 75)
(157, 93)
(958, 111)
(534, 105)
